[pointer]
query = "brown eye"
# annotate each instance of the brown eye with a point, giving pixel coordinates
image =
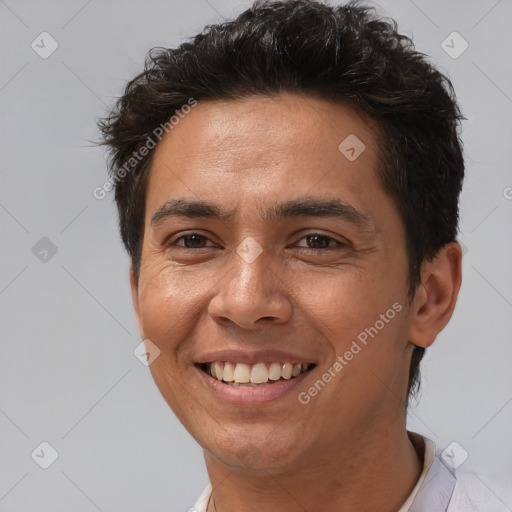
(319, 241)
(194, 241)
(191, 241)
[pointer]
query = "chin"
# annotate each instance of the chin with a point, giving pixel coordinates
(264, 451)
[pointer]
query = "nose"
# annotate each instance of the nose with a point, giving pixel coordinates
(251, 294)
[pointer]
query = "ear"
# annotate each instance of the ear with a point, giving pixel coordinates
(435, 297)
(134, 285)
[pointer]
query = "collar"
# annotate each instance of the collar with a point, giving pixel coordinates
(434, 489)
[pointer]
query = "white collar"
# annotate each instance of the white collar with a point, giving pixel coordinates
(434, 488)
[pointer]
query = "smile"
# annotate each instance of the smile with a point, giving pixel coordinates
(258, 374)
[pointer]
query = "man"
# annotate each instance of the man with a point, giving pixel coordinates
(287, 186)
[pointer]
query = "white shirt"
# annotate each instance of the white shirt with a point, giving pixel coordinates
(438, 489)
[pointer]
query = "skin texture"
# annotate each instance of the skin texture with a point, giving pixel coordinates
(348, 448)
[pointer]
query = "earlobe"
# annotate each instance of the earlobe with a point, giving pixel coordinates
(134, 285)
(436, 296)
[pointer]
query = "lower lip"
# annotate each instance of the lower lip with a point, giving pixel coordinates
(249, 395)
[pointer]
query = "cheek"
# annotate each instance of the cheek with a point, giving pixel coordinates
(362, 317)
(168, 304)
(343, 304)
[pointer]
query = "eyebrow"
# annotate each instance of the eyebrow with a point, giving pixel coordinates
(300, 207)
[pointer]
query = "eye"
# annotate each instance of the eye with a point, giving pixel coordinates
(317, 241)
(190, 241)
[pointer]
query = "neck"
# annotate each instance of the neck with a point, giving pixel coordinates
(374, 472)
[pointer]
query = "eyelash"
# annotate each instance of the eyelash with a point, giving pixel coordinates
(340, 245)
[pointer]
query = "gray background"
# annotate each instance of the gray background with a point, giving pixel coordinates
(68, 375)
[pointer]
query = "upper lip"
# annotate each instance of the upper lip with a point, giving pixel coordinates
(253, 356)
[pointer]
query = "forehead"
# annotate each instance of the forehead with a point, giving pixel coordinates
(262, 146)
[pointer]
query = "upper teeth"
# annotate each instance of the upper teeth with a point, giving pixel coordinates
(258, 373)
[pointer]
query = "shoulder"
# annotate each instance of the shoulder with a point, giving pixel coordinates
(446, 487)
(472, 494)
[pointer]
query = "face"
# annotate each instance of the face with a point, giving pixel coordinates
(270, 251)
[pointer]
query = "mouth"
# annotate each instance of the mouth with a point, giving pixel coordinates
(237, 374)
